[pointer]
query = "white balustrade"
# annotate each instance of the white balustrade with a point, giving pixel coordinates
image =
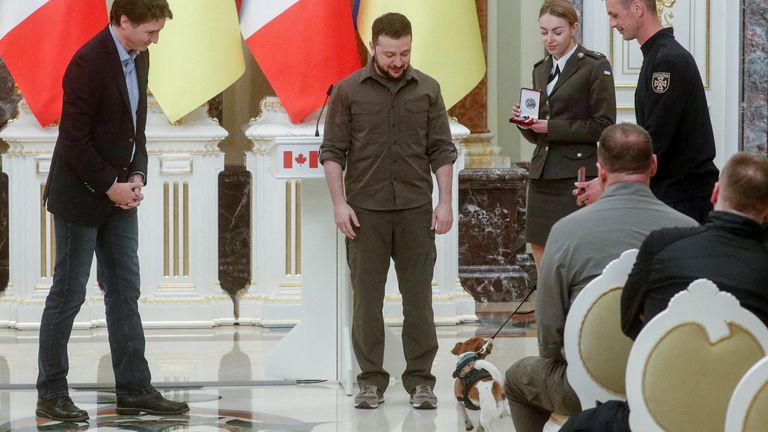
(178, 225)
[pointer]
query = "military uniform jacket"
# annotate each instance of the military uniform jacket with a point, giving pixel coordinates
(96, 134)
(582, 104)
(670, 103)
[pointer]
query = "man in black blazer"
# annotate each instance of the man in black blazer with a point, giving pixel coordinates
(94, 187)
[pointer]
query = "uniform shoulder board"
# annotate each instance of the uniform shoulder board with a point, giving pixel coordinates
(594, 54)
(541, 61)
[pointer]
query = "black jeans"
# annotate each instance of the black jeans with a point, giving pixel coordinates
(116, 245)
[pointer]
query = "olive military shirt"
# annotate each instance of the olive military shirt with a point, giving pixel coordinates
(389, 136)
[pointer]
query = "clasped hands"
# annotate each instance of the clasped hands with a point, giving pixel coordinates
(127, 195)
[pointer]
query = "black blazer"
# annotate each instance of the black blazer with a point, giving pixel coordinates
(96, 133)
(581, 106)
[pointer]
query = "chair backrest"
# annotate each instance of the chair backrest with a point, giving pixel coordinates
(687, 360)
(595, 347)
(748, 409)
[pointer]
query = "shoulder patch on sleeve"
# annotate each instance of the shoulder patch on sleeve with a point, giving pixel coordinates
(660, 82)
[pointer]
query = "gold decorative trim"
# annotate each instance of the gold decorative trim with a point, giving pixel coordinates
(21, 152)
(271, 299)
(186, 228)
(176, 237)
(174, 300)
(211, 147)
(290, 284)
(288, 239)
(261, 146)
(666, 18)
(43, 236)
(438, 297)
(53, 244)
(166, 232)
(176, 164)
(298, 227)
(43, 164)
(175, 286)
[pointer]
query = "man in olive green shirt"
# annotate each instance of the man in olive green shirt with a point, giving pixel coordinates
(387, 126)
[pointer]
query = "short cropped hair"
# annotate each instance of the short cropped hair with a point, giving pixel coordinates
(140, 11)
(392, 24)
(649, 4)
(744, 182)
(625, 148)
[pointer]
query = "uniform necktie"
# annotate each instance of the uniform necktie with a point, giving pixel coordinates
(555, 74)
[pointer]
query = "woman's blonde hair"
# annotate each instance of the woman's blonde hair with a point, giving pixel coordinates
(561, 9)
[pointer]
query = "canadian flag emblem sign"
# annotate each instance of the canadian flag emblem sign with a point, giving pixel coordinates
(299, 161)
(290, 158)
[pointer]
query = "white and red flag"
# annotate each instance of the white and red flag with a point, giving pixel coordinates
(302, 46)
(38, 39)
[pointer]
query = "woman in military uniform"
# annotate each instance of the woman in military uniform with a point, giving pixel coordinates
(577, 103)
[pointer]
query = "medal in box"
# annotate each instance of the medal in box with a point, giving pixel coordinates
(529, 107)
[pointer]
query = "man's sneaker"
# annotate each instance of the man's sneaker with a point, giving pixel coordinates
(423, 398)
(369, 397)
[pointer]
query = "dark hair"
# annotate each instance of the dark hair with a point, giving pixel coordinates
(392, 24)
(140, 11)
(649, 4)
(561, 9)
(744, 182)
(625, 148)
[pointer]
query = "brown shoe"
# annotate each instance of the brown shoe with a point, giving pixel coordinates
(152, 403)
(60, 409)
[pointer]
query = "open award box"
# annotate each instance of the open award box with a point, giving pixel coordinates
(529, 107)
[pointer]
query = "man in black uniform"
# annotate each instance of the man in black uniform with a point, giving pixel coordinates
(670, 103)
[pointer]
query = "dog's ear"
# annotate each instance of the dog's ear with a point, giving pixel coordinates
(458, 348)
(489, 348)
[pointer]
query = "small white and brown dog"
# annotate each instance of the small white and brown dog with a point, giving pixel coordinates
(479, 385)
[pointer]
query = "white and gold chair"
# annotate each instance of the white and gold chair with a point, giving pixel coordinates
(748, 409)
(595, 347)
(686, 362)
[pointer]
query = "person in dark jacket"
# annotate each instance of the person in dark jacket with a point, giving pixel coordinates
(578, 102)
(98, 169)
(671, 104)
(728, 249)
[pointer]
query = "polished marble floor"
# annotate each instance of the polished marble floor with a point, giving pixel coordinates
(195, 362)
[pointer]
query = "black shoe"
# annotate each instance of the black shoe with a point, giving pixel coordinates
(60, 409)
(152, 403)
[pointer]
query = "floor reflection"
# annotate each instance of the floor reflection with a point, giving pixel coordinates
(194, 364)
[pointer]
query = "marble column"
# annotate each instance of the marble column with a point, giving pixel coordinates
(754, 69)
(234, 230)
(493, 265)
(8, 101)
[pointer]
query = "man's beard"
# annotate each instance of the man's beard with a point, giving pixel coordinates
(384, 71)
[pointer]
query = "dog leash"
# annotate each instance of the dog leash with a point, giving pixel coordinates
(488, 342)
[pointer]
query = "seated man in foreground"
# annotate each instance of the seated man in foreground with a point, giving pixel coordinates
(578, 249)
(728, 249)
